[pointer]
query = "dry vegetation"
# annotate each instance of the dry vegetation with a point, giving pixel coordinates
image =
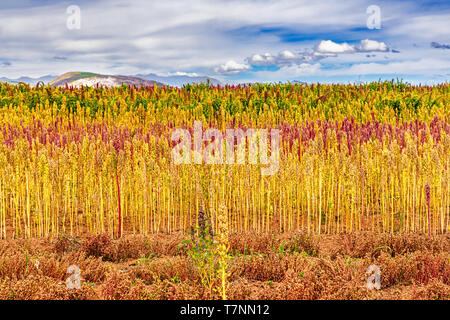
(262, 266)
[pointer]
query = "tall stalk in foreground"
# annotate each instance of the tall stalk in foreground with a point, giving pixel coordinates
(120, 209)
(118, 199)
(222, 250)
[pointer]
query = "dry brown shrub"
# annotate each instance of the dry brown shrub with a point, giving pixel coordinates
(267, 267)
(434, 290)
(357, 245)
(167, 290)
(362, 244)
(119, 286)
(303, 287)
(98, 246)
(408, 243)
(92, 269)
(419, 267)
(320, 278)
(178, 268)
(353, 290)
(36, 287)
(14, 266)
(166, 244)
(128, 248)
(66, 244)
(298, 241)
(144, 273)
(50, 265)
(246, 242)
(243, 289)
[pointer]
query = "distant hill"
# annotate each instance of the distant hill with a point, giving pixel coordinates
(69, 77)
(92, 79)
(179, 80)
(78, 79)
(30, 81)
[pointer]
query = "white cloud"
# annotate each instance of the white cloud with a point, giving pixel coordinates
(328, 46)
(372, 45)
(231, 67)
(287, 57)
(286, 54)
(283, 58)
(366, 45)
(261, 59)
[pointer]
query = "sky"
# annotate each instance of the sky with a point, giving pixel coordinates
(241, 41)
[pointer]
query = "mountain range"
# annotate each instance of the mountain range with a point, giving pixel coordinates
(31, 81)
(89, 79)
(78, 79)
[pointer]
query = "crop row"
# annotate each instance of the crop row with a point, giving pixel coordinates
(352, 158)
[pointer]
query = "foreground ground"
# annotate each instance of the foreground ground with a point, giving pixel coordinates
(266, 266)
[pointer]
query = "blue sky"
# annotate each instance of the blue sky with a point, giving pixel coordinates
(234, 41)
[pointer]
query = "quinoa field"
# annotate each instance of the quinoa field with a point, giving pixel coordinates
(263, 191)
